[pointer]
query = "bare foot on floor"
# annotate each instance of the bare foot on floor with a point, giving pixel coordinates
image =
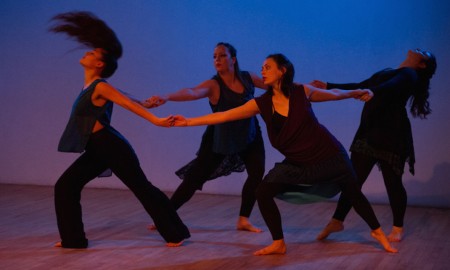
(58, 244)
(170, 244)
(244, 224)
(277, 247)
(333, 226)
(379, 235)
(152, 227)
(396, 234)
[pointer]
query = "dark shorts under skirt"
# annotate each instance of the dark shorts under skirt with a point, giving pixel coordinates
(312, 183)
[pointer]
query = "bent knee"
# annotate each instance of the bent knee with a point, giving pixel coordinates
(264, 191)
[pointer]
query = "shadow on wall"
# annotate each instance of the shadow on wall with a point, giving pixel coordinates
(434, 192)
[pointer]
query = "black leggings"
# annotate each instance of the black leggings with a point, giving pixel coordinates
(363, 165)
(268, 190)
(107, 150)
(207, 162)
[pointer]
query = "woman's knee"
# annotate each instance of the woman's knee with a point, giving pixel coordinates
(256, 174)
(62, 184)
(265, 191)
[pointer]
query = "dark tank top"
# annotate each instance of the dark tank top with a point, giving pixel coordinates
(234, 137)
(82, 120)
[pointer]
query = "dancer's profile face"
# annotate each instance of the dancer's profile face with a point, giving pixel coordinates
(222, 59)
(92, 58)
(270, 72)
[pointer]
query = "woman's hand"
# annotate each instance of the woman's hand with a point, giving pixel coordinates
(153, 101)
(319, 84)
(179, 121)
(364, 94)
(165, 122)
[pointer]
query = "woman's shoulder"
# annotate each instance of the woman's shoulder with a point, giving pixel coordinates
(406, 70)
(402, 72)
(298, 90)
(98, 83)
(246, 75)
(264, 98)
(408, 73)
(265, 95)
(298, 86)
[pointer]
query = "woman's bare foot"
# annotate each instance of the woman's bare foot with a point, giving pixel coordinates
(277, 247)
(170, 244)
(152, 227)
(396, 234)
(58, 244)
(333, 226)
(379, 235)
(244, 224)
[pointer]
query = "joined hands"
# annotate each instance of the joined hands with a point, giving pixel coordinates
(153, 102)
(175, 121)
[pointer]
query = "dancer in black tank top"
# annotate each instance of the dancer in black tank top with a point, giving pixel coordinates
(102, 147)
(225, 148)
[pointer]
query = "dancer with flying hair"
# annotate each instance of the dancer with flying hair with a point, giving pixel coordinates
(104, 150)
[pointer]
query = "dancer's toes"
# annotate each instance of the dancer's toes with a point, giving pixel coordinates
(396, 234)
(333, 226)
(58, 244)
(244, 224)
(379, 235)
(277, 247)
(170, 244)
(249, 228)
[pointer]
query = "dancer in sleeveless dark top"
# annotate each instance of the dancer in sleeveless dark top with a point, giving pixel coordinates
(315, 162)
(103, 148)
(384, 136)
(228, 147)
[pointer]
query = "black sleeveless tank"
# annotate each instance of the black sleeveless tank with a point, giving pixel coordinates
(233, 137)
(82, 120)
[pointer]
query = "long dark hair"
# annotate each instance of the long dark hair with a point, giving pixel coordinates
(420, 106)
(89, 30)
(287, 81)
(233, 53)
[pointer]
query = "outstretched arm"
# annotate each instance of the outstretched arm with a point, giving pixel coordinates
(249, 109)
(318, 95)
(396, 87)
(105, 92)
(345, 86)
(203, 90)
(130, 96)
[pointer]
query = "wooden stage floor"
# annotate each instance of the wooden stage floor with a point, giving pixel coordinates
(116, 223)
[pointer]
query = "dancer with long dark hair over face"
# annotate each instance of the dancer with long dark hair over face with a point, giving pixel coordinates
(103, 148)
(225, 148)
(384, 136)
(315, 166)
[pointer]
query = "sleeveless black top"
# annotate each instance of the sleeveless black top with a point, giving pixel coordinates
(233, 137)
(82, 120)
